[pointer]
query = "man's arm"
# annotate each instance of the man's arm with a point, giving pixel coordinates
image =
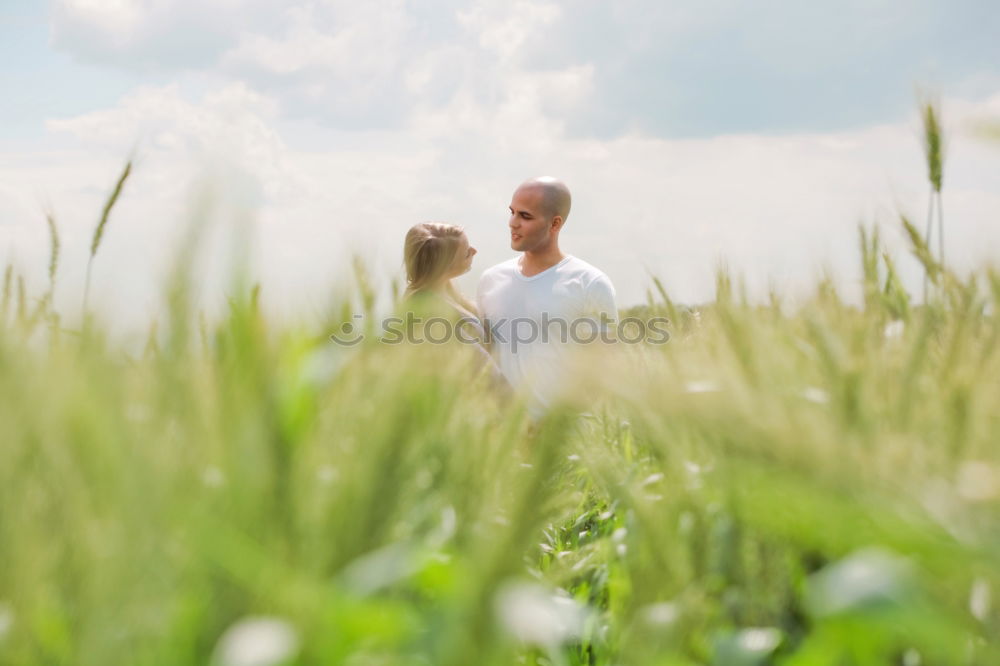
(601, 304)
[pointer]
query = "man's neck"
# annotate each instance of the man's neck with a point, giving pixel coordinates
(533, 263)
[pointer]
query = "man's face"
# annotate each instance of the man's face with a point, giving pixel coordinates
(529, 224)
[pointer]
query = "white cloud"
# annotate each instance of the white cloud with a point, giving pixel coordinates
(117, 19)
(688, 66)
(458, 109)
(230, 125)
(347, 40)
(504, 27)
(345, 64)
(164, 35)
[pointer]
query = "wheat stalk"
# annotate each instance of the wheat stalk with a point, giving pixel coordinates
(99, 231)
(933, 140)
(46, 304)
(54, 246)
(933, 144)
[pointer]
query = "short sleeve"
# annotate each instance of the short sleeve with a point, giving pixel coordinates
(601, 298)
(480, 290)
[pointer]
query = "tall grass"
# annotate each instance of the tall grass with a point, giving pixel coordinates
(808, 487)
(801, 488)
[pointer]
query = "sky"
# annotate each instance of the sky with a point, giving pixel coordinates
(295, 134)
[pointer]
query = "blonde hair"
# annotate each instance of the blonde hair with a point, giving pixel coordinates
(429, 251)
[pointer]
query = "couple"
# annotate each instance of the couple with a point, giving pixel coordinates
(531, 305)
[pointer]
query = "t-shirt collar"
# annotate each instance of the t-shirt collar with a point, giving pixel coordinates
(522, 276)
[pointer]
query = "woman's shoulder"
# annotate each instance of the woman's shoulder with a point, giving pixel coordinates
(433, 304)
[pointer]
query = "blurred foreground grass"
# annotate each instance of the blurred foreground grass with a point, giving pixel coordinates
(808, 488)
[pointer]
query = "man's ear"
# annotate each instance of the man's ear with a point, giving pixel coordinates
(557, 222)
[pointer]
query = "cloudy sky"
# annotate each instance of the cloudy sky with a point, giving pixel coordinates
(692, 132)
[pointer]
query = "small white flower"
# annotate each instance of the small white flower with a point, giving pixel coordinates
(693, 471)
(763, 639)
(867, 576)
(257, 641)
(894, 329)
(662, 614)
(651, 479)
(327, 474)
(701, 386)
(213, 477)
(536, 616)
(816, 395)
(619, 535)
(979, 599)
(746, 646)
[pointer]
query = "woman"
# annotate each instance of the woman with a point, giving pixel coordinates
(434, 253)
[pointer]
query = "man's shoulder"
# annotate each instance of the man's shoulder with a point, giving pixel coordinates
(589, 272)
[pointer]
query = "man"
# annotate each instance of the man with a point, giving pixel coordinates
(541, 305)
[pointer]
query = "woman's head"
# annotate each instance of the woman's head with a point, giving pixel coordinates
(434, 253)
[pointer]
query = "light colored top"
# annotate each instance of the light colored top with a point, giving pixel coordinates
(472, 328)
(535, 323)
(468, 330)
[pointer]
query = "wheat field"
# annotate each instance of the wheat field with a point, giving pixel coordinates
(810, 486)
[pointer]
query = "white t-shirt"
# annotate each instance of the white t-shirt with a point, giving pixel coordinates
(534, 323)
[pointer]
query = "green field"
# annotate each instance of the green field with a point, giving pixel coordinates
(811, 488)
(808, 486)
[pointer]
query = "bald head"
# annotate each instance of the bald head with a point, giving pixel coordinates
(556, 199)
